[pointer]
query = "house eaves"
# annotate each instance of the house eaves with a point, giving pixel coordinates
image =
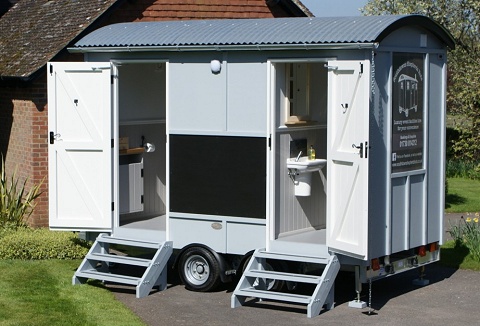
(4, 6)
(297, 8)
(33, 32)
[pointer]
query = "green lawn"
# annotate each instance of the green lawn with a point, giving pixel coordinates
(41, 293)
(463, 195)
(457, 257)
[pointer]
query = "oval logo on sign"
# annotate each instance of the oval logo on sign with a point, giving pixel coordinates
(217, 226)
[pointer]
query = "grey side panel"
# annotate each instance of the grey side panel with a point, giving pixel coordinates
(436, 150)
(399, 214)
(246, 96)
(197, 97)
(417, 211)
(379, 189)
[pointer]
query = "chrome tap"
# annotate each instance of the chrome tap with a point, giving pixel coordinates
(298, 156)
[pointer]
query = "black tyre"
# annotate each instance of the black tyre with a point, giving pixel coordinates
(270, 284)
(199, 270)
(274, 265)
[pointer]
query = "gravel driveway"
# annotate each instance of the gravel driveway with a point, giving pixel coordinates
(451, 298)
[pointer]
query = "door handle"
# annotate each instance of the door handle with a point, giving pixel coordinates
(53, 137)
(360, 148)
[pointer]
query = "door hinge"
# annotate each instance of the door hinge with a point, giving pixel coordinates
(141, 199)
(112, 143)
(367, 147)
(51, 69)
(141, 173)
(270, 142)
(330, 67)
(113, 206)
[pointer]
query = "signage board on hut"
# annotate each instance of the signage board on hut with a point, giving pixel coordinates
(408, 119)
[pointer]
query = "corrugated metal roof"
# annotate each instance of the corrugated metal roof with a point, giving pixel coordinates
(251, 32)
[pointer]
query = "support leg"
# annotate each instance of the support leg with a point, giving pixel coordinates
(357, 303)
(420, 281)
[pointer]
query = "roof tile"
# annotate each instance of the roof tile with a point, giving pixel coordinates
(34, 31)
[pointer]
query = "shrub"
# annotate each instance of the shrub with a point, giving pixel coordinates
(16, 204)
(467, 233)
(463, 169)
(26, 243)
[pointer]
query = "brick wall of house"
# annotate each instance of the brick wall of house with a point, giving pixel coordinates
(23, 118)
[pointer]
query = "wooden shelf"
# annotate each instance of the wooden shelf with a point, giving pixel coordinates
(300, 123)
(131, 151)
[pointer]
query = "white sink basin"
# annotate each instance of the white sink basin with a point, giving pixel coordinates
(305, 165)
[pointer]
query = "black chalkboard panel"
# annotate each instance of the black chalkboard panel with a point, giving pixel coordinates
(218, 175)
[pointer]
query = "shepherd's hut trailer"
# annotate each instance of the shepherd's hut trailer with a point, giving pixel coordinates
(196, 138)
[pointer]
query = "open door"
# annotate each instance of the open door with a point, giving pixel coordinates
(80, 146)
(347, 154)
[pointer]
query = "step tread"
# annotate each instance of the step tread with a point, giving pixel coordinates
(127, 260)
(117, 278)
(128, 242)
(291, 277)
(297, 258)
(280, 296)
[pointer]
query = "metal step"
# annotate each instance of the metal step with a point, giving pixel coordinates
(128, 242)
(296, 258)
(289, 277)
(116, 278)
(154, 274)
(269, 295)
(108, 258)
(322, 295)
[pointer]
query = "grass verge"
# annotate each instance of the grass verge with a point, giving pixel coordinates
(41, 293)
(457, 257)
(463, 195)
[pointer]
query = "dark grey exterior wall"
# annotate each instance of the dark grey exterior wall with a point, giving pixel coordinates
(406, 209)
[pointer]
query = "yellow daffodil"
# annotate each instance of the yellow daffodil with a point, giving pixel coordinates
(475, 219)
(469, 219)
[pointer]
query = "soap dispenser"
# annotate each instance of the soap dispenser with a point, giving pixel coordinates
(311, 153)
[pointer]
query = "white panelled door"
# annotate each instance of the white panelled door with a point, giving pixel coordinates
(80, 146)
(348, 146)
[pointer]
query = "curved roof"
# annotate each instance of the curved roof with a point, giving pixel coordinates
(256, 32)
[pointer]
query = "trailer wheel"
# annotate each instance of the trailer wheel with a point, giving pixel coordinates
(199, 269)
